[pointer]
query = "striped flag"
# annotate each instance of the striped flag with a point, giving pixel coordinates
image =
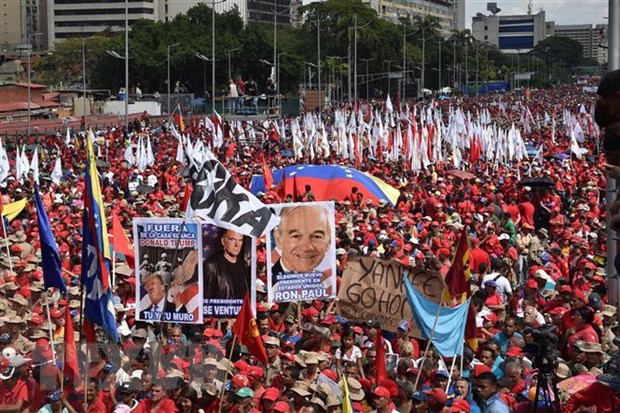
(98, 306)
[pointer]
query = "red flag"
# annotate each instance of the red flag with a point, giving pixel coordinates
(121, 242)
(380, 359)
(70, 367)
(187, 195)
(246, 330)
(267, 175)
(458, 276)
(471, 330)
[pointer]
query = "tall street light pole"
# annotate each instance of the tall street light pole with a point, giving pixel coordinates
(204, 59)
(30, 37)
(318, 37)
(84, 81)
(213, 3)
(229, 53)
(439, 41)
(170, 46)
(126, 63)
(367, 81)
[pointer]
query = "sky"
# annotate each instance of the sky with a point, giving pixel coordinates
(560, 11)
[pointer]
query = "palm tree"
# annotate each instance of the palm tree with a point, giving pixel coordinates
(429, 27)
(463, 40)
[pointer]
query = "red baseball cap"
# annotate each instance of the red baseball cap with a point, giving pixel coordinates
(281, 407)
(271, 393)
(382, 392)
(460, 405)
(439, 395)
(240, 380)
(532, 284)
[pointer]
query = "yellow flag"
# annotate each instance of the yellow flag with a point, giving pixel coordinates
(346, 397)
(12, 210)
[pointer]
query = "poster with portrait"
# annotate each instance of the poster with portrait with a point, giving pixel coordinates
(168, 277)
(228, 270)
(301, 253)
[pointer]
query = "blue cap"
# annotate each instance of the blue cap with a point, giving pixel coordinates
(54, 396)
(419, 396)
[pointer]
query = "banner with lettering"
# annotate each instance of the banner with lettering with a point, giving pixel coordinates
(168, 277)
(302, 253)
(373, 289)
(228, 269)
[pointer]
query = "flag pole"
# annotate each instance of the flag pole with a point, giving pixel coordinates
(8, 249)
(450, 373)
(49, 326)
(232, 348)
(430, 338)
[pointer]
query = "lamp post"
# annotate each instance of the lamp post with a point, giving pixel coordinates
(204, 59)
(278, 73)
(318, 38)
(170, 46)
(30, 37)
(118, 56)
(84, 81)
(367, 81)
(389, 62)
(229, 53)
(213, 3)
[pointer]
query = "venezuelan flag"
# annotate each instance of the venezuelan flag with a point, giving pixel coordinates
(98, 307)
(177, 115)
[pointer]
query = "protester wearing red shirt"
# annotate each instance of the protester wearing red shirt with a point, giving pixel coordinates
(157, 403)
(13, 391)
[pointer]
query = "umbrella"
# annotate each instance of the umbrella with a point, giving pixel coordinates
(572, 385)
(561, 156)
(544, 181)
(462, 174)
(328, 182)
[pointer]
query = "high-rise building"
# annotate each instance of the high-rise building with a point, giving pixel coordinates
(10, 23)
(84, 18)
(250, 10)
(512, 34)
(446, 11)
(590, 37)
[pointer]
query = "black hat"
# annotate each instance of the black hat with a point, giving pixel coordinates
(610, 84)
(373, 324)
(127, 388)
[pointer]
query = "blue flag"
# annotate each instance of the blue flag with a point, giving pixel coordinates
(450, 327)
(50, 258)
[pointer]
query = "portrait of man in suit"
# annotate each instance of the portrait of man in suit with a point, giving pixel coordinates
(156, 291)
(303, 237)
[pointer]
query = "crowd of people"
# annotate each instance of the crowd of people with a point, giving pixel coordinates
(537, 261)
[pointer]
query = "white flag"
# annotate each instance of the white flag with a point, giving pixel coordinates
(68, 137)
(574, 146)
(219, 199)
(4, 164)
(57, 172)
(388, 104)
(150, 158)
(129, 157)
(34, 165)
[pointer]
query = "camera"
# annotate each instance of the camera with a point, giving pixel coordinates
(544, 347)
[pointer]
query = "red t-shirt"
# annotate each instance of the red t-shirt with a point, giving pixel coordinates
(166, 406)
(19, 392)
(526, 209)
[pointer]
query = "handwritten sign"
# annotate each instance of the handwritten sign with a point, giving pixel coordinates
(373, 289)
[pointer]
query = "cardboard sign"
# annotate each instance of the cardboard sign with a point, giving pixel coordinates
(373, 289)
